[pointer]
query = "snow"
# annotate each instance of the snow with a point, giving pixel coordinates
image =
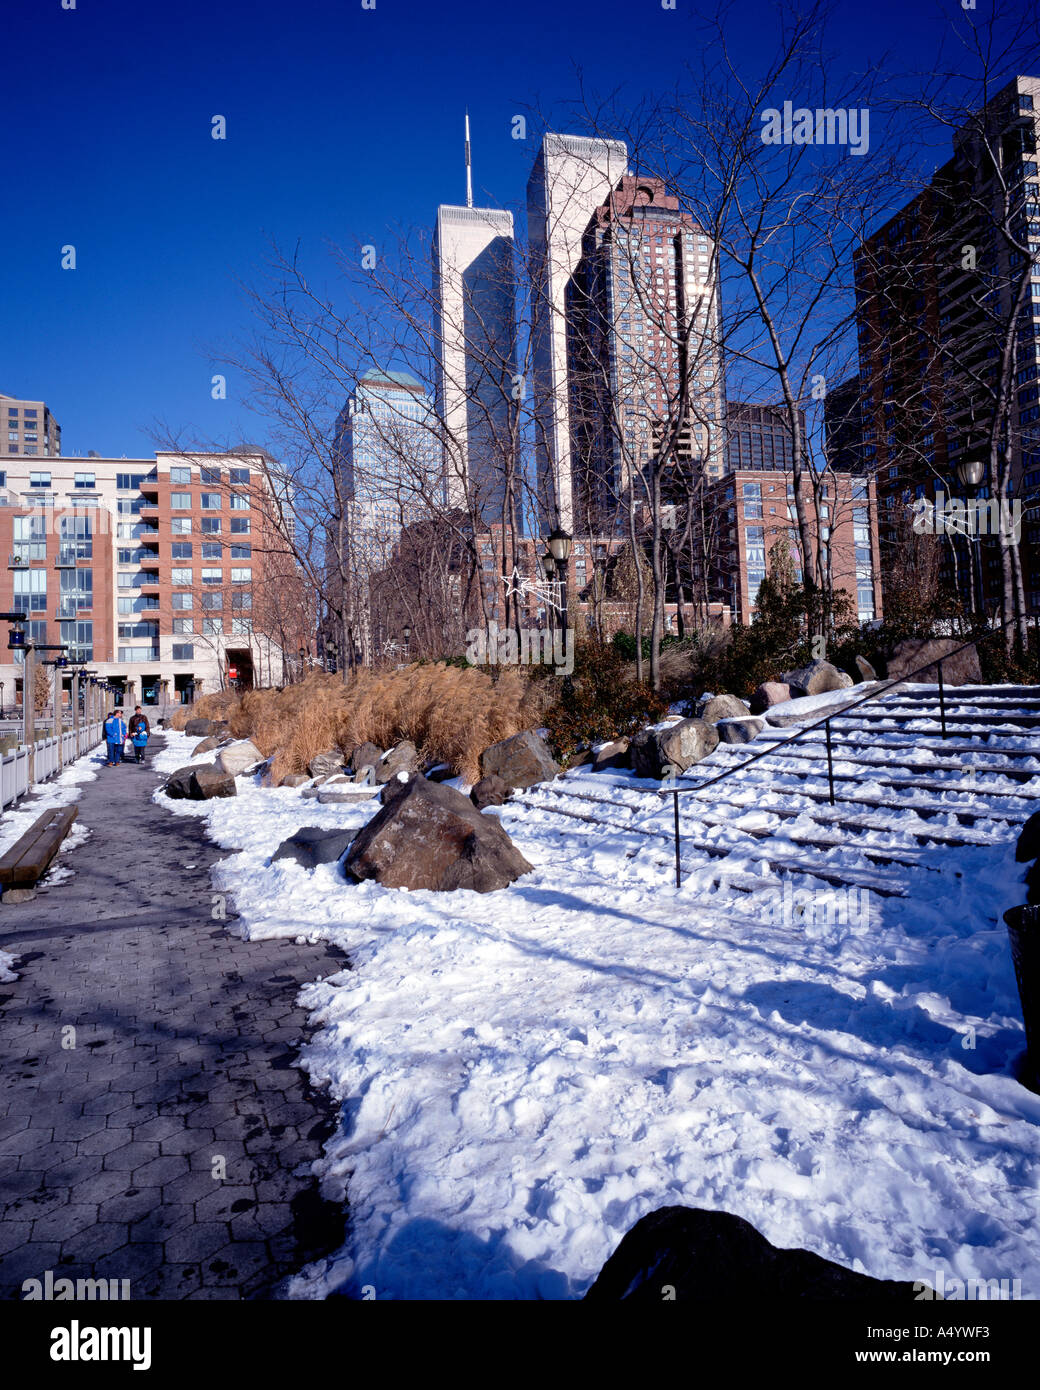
(524, 1074)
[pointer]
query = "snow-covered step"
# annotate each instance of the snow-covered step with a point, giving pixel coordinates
(813, 752)
(884, 713)
(843, 876)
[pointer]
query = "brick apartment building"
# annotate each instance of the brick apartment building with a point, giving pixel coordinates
(159, 574)
(755, 508)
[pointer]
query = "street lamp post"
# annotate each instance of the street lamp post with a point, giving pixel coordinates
(299, 668)
(549, 570)
(971, 469)
(560, 542)
(406, 633)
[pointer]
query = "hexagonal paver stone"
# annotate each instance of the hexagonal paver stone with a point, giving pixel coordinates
(95, 1242)
(130, 1205)
(235, 1262)
(224, 1202)
(197, 1243)
(161, 1170)
(131, 1156)
(65, 1223)
(104, 1142)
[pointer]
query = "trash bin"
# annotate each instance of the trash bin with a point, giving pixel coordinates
(1023, 924)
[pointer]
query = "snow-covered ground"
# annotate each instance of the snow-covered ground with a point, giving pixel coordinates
(16, 820)
(524, 1074)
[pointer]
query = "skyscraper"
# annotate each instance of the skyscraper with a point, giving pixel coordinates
(28, 427)
(643, 343)
(571, 178)
(388, 450)
(474, 282)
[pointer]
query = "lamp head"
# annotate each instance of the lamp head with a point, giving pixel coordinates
(560, 542)
(971, 470)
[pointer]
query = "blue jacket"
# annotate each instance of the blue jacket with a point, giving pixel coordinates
(115, 729)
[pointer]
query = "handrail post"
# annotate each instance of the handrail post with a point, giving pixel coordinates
(678, 869)
(830, 761)
(942, 699)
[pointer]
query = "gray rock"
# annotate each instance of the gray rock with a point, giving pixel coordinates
(199, 783)
(346, 798)
(430, 836)
(666, 752)
(442, 772)
(365, 776)
(521, 761)
(206, 746)
(489, 791)
(237, 757)
(740, 730)
(12, 896)
(817, 679)
(203, 728)
(325, 764)
(962, 669)
(313, 845)
(865, 669)
(365, 755)
(708, 1255)
(295, 779)
(403, 757)
(612, 756)
(783, 717)
(768, 694)
(723, 707)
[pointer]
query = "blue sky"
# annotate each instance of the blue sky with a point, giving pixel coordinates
(340, 122)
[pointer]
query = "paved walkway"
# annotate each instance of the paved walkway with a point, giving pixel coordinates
(185, 1042)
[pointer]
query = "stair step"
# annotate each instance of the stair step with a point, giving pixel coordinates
(941, 834)
(883, 741)
(813, 751)
(882, 713)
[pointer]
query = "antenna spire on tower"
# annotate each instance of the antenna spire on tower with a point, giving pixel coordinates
(469, 168)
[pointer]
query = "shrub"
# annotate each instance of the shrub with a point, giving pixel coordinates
(450, 713)
(599, 702)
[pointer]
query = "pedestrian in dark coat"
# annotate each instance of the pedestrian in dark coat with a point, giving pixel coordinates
(139, 730)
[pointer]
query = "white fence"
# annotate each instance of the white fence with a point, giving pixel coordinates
(52, 754)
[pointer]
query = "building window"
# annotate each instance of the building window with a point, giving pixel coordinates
(210, 476)
(184, 625)
(212, 627)
(241, 627)
(30, 591)
(128, 482)
(79, 639)
(180, 550)
(183, 651)
(76, 590)
(241, 576)
(180, 526)
(239, 503)
(239, 475)
(128, 557)
(212, 576)
(209, 525)
(180, 501)
(213, 602)
(180, 577)
(38, 479)
(211, 550)
(240, 526)
(84, 480)
(180, 477)
(211, 502)
(242, 600)
(181, 601)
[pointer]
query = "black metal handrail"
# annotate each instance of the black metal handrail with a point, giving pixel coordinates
(825, 722)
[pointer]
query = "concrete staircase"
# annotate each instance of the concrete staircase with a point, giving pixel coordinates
(902, 792)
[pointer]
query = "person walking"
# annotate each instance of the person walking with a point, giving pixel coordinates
(139, 729)
(115, 737)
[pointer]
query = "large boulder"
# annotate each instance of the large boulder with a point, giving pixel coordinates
(312, 845)
(325, 764)
(431, 836)
(723, 707)
(520, 761)
(441, 772)
(489, 791)
(865, 669)
(206, 746)
(816, 679)
(365, 755)
(740, 730)
(203, 728)
(295, 779)
(403, 757)
(613, 756)
(666, 752)
(768, 694)
(199, 783)
(962, 669)
(806, 710)
(235, 758)
(708, 1255)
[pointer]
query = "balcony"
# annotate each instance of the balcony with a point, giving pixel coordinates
(68, 611)
(69, 558)
(149, 509)
(150, 486)
(148, 583)
(19, 561)
(147, 535)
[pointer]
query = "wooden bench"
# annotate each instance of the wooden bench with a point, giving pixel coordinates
(28, 859)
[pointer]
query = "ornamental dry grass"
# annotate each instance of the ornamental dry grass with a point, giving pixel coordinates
(450, 713)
